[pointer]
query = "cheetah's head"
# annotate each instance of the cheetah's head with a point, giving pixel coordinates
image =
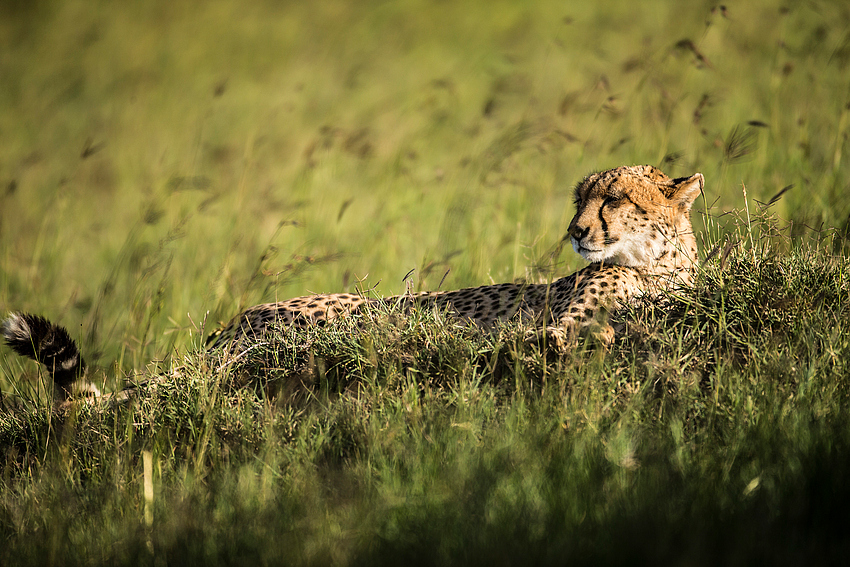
(635, 216)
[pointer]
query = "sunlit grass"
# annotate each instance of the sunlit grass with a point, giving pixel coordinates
(165, 164)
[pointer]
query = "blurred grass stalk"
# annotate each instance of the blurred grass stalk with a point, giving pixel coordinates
(169, 162)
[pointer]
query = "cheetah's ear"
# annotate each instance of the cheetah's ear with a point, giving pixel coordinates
(685, 190)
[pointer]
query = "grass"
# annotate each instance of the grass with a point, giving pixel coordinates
(714, 431)
(165, 164)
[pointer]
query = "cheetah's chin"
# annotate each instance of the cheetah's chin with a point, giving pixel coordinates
(623, 253)
(593, 256)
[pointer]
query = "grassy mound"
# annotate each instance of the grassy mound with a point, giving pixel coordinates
(714, 431)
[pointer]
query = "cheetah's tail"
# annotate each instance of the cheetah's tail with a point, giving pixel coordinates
(37, 338)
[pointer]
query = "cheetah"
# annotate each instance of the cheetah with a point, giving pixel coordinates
(632, 224)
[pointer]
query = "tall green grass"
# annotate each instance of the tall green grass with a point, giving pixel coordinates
(714, 431)
(165, 164)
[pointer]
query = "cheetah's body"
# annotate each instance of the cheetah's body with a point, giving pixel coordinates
(632, 223)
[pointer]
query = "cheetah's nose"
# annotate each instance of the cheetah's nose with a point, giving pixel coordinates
(578, 232)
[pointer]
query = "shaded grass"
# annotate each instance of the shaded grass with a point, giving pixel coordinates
(714, 431)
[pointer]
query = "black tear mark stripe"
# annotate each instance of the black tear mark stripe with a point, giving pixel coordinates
(602, 220)
(607, 200)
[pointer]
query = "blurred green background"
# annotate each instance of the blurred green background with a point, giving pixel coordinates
(164, 159)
